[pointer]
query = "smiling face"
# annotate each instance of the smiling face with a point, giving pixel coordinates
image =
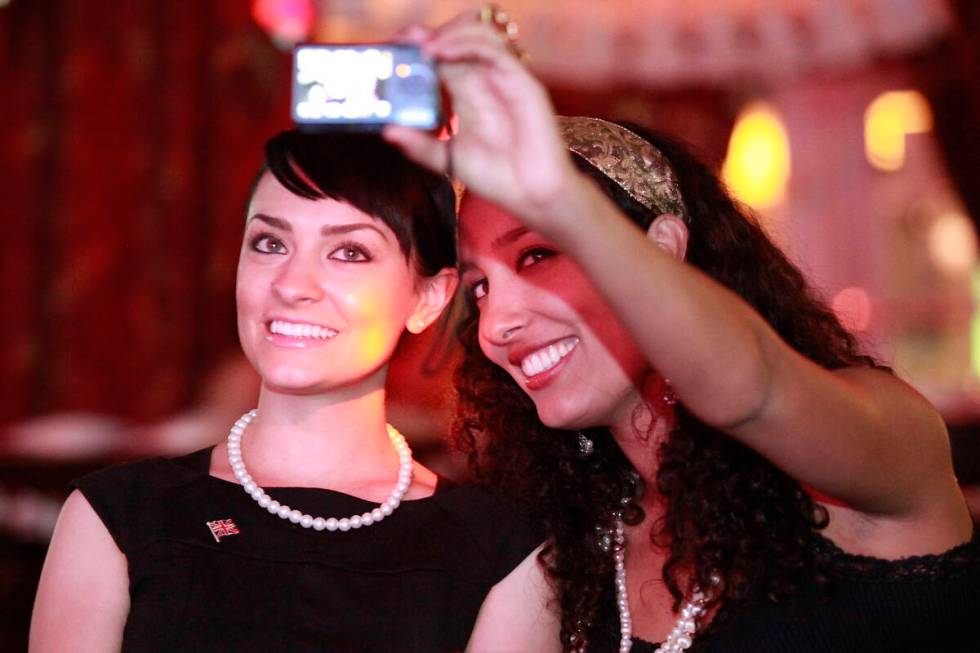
(323, 291)
(543, 321)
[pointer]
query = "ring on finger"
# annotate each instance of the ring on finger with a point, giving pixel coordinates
(500, 20)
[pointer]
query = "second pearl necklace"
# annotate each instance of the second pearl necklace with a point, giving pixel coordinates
(405, 470)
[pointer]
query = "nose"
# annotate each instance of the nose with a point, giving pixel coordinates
(298, 281)
(503, 316)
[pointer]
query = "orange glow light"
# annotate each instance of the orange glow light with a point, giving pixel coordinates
(757, 167)
(853, 308)
(953, 243)
(888, 119)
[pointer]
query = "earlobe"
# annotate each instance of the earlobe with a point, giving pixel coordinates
(670, 234)
(434, 295)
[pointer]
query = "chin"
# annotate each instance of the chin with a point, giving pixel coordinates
(293, 386)
(565, 417)
(290, 380)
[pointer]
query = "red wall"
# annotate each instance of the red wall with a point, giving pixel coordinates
(128, 139)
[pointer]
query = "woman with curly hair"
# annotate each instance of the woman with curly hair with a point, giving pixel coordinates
(716, 463)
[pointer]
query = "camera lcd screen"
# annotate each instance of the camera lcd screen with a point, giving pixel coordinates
(364, 85)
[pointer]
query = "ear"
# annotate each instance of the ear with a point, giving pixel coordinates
(670, 234)
(435, 293)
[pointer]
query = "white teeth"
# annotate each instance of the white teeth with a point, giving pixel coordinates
(547, 357)
(300, 330)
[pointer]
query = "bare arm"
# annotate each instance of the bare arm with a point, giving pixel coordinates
(858, 435)
(516, 616)
(83, 596)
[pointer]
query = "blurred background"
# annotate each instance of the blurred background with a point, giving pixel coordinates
(129, 134)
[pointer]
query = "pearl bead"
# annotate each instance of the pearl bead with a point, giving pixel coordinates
(237, 464)
(681, 636)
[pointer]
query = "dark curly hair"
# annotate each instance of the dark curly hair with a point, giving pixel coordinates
(729, 512)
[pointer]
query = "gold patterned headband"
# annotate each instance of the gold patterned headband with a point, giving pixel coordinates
(634, 164)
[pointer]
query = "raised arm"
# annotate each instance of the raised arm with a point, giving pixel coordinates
(83, 597)
(859, 435)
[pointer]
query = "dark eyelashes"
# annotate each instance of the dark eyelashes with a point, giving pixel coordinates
(539, 254)
(255, 241)
(353, 246)
(274, 245)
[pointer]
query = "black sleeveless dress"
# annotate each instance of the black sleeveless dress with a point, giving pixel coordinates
(867, 605)
(209, 570)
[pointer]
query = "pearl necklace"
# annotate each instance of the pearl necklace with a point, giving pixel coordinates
(405, 469)
(681, 636)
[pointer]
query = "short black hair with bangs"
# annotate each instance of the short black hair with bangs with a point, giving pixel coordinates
(375, 177)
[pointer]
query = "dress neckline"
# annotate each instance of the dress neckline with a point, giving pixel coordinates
(200, 462)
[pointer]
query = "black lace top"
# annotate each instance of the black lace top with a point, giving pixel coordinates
(869, 605)
(253, 582)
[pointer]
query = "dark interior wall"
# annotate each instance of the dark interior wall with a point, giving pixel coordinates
(130, 134)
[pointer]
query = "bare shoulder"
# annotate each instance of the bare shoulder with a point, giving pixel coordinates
(424, 482)
(885, 386)
(83, 595)
(518, 613)
(939, 519)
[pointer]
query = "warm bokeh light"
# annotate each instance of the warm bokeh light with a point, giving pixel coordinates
(403, 70)
(975, 323)
(888, 119)
(757, 166)
(853, 308)
(953, 243)
(286, 21)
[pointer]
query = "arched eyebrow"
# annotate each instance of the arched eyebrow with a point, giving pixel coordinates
(327, 230)
(503, 240)
(272, 221)
(334, 229)
(508, 238)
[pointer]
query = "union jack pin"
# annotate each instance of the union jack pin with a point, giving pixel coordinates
(222, 528)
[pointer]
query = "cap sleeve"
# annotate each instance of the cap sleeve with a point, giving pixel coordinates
(126, 496)
(500, 532)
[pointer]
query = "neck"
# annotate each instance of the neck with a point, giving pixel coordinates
(305, 439)
(640, 433)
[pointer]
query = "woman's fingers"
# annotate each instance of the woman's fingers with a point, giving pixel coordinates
(472, 42)
(419, 146)
(412, 34)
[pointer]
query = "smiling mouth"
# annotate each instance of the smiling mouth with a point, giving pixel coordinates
(300, 330)
(547, 357)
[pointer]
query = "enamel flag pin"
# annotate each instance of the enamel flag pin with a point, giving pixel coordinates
(222, 528)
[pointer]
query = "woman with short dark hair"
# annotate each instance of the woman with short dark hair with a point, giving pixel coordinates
(310, 528)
